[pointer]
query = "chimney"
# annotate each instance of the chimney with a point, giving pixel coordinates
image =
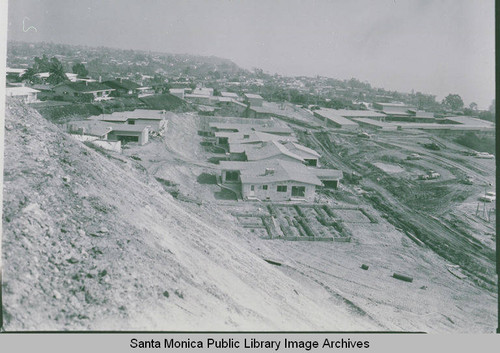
(269, 171)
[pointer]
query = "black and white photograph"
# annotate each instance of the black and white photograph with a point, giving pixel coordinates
(249, 166)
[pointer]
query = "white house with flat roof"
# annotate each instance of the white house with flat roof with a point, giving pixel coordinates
(29, 95)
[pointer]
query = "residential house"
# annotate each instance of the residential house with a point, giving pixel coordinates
(230, 107)
(310, 156)
(203, 91)
(273, 180)
(253, 100)
(129, 133)
(27, 94)
(249, 137)
(123, 87)
(258, 112)
(230, 95)
(178, 92)
(333, 119)
(94, 91)
(154, 119)
(329, 177)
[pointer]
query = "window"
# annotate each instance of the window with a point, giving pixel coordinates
(252, 187)
(299, 191)
(281, 188)
(264, 187)
(232, 176)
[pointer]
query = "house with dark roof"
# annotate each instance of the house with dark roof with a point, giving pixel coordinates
(123, 87)
(94, 91)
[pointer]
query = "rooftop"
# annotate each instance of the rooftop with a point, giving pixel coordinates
(253, 96)
(92, 128)
(272, 171)
(229, 95)
(301, 150)
(332, 115)
(86, 86)
(145, 114)
(253, 137)
(19, 91)
(122, 84)
(331, 174)
(269, 149)
(358, 113)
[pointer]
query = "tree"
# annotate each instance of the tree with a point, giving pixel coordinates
(80, 70)
(453, 101)
(41, 65)
(29, 75)
(473, 106)
(492, 108)
(56, 72)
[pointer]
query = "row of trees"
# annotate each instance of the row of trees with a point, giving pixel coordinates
(55, 69)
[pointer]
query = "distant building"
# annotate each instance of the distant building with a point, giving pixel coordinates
(332, 119)
(14, 75)
(230, 95)
(199, 99)
(393, 109)
(94, 90)
(29, 95)
(110, 131)
(72, 77)
(253, 100)
(178, 92)
(129, 133)
(123, 87)
(249, 137)
(145, 91)
(153, 119)
(270, 180)
(230, 107)
(258, 112)
(203, 91)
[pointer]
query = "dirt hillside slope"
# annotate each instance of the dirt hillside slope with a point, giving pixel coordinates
(90, 241)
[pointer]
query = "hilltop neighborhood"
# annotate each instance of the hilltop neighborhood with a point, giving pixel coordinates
(346, 198)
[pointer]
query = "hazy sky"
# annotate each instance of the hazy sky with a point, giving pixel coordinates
(432, 46)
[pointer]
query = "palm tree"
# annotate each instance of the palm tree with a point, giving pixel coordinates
(56, 72)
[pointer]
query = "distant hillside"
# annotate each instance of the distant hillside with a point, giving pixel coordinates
(93, 242)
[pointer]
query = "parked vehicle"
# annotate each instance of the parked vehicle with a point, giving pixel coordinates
(429, 175)
(413, 156)
(432, 146)
(490, 196)
(468, 180)
(485, 155)
(364, 135)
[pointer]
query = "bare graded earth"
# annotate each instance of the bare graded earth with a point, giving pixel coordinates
(94, 240)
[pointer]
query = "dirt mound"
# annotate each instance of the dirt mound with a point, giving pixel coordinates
(91, 241)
